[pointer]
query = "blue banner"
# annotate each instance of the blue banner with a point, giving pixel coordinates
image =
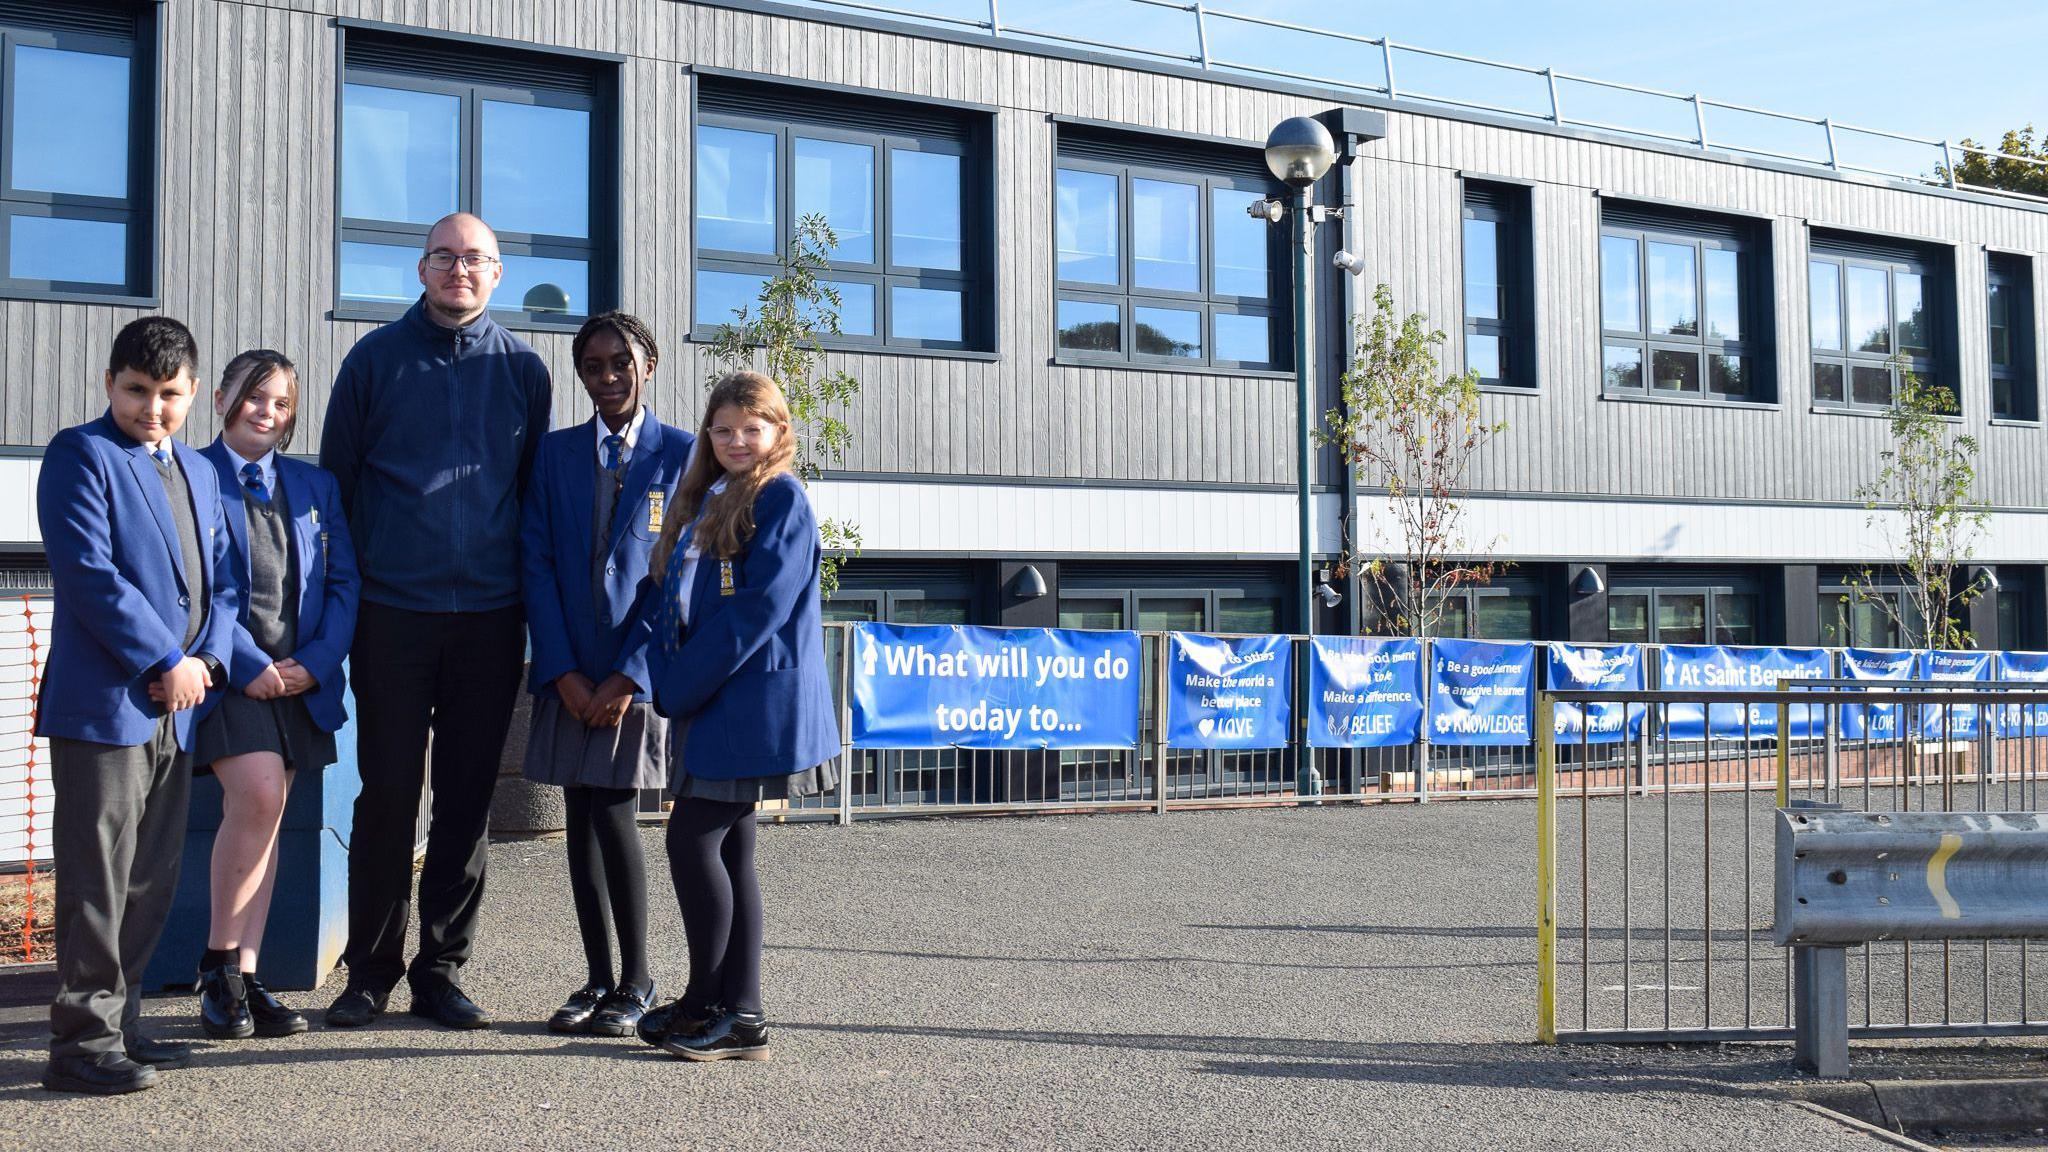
(1710, 668)
(1596, 667)
(1874, 721)
(1953, 721)
(1226, 692)
(1479, 692)
(1363, 693)
(2023, 719)
(950, 686)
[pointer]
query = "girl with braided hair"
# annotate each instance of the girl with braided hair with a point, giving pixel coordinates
(600, 495)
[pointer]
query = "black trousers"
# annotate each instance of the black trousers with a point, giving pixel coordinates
(454, 675)
(118, 837)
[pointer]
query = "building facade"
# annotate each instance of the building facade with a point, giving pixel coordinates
(1073, 342)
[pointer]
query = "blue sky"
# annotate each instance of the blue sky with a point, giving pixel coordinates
(1925, 69)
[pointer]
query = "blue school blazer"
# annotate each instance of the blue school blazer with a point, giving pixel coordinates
(121, 587)
(328, 584)
(574, 627)
(750, 674)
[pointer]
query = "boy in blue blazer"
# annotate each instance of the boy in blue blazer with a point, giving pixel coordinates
(143, 614)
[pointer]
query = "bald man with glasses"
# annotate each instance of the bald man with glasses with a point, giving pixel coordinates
(431, 430)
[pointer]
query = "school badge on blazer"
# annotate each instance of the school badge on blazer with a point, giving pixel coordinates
(725, 577)
(654, 501)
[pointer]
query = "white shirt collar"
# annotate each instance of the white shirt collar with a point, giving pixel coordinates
(631, 433)
(267, 462)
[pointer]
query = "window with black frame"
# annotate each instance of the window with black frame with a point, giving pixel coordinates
(1682, 614)
(1882, 615)
(1499, 290)
(1158, 261)
(76, 179)
(521, 139)
(2009, 314)
(902, 185)
(1684, 305)
(1875, 306)
(1488, 612)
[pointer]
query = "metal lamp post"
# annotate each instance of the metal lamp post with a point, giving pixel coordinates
(1298, 152)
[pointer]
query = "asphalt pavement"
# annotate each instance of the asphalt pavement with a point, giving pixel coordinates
(1343, 977)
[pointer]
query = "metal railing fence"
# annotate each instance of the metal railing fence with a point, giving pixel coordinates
(1655, 899)
(1688, 119)
(1152, 777)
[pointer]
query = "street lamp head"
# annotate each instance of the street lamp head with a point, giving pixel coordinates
(1299, 151)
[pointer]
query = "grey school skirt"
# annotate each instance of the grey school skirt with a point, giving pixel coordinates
(561, 751)
(239, 725)
(748, 789)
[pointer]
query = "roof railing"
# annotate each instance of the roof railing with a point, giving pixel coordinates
(1830, 136)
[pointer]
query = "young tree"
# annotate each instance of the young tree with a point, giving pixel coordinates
(1923, 509)
(780, 335)
(1411, 431)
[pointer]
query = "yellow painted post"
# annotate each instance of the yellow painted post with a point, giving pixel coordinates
(1546, 869)
(1784, 746)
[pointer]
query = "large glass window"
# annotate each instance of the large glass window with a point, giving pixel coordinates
(1681, 615)
(519, 143)
(1870, 314)
(75, 180)
(2009, 312)
(899, 189)
(1164, 266)
(1488, 613)
(1878, 617)
(1678, 314)
(1499, 316)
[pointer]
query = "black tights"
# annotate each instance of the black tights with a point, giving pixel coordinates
(608, 882)
(711, 858)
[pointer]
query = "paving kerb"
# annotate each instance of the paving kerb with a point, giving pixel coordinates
(1342, 977)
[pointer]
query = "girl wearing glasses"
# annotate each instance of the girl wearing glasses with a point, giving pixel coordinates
(740, 657)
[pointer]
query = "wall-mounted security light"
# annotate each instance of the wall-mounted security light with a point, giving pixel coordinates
(1350, 262)
(1028, 583)
(1987, 580)
(1329, 595)
(1588, 582)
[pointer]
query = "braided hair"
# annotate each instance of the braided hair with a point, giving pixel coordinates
(630, 328)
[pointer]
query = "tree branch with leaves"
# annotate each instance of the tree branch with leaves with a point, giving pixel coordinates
(1923, 508)
(1412, 432)
(781, 334)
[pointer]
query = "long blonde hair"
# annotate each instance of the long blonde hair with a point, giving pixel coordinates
(728, 515)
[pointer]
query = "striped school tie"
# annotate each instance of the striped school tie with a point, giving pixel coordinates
(252, 479)
(671, 619)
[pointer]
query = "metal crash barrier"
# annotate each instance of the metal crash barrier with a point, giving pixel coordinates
(1846, 879)
(1656, 919)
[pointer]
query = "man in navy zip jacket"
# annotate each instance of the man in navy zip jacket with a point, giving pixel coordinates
(431, 430)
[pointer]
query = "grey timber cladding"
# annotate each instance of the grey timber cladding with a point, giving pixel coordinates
(247, 216)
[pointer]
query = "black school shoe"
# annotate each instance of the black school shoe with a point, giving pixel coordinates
(272, 1017)
(577, 1010)
(107, 1074)
(731, 1036)
(224, 1004)
(621, 1012)
(444, 1004)
(655, 1024)
(355, 1007)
